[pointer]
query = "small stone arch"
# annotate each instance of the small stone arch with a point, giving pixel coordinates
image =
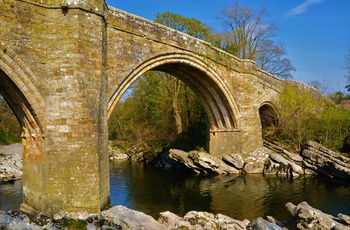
(270, 119)
(221, 109)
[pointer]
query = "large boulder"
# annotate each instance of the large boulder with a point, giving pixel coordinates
(255, 162)
(183, 158)
(124, 218)
(325, 161)
(303, 216)
(199, 161)
(211, 163)
(234, 160)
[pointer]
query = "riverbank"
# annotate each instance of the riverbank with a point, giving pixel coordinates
(302, 216)
(10, 162)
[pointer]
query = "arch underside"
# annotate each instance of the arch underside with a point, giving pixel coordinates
(18, 91)
(269, 118)
(218, 103)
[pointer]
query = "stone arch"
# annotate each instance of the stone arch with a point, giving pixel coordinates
(269, 118)
(21, 94)
(219, 104)
(27, 104)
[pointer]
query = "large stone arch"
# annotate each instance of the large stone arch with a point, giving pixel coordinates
(27, 104)
(19, 91)
(219, 104)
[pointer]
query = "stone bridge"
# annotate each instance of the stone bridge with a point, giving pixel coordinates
(64, 65)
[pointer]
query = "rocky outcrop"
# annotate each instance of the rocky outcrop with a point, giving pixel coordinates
(201, 162)
(325, 162)
(302, 216)
(117, 154)
(10, 167)
(200, 220)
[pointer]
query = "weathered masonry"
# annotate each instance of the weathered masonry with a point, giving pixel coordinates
(64, 65)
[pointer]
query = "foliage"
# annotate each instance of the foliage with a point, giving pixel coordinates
(304, 117)
(147, 115)
(9, 126)
(190, 26)
(74, 224)
(248, 36)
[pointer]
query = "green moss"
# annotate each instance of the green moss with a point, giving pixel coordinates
(74, 224)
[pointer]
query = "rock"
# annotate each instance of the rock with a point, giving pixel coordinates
(124, 218)
(183, 158)
(277, 149)
(254, 167)
(138, 157)
(16, 221)
(325, 161)
(275, 221)
(211, 163)
(271, 167)
(234, 160)
(226, 222)
(345, 219)
(121, 156)
(169, 219)
(256, 160)
(10, 167)
(289, 164)
(292, 209)
(205, 220)
(262, 224)
(307, 217)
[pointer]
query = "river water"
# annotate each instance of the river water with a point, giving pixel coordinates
(141, 187)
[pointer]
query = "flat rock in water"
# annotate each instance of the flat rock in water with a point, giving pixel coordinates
(211, 163)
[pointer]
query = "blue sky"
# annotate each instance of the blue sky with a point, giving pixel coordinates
(316, 32)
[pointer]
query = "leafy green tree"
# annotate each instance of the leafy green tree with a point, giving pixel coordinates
(305, 117)
(147, 115)
(248, 36)
(295, 106)
(9, 126)
(190, 26)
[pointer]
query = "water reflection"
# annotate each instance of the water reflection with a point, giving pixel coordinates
(149, 190)
(10, 195)
(143, 188)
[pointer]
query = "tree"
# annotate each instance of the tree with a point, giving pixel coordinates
(322, 87)
(9, 126)
(249, 37)
(296, 105)
(190, 26)
(347, 67)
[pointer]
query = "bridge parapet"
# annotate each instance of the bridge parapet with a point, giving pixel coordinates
(149, 30)
(94, 6)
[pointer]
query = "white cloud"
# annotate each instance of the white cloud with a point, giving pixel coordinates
(302, 7)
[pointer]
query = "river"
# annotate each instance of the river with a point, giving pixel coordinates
(141, 187)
